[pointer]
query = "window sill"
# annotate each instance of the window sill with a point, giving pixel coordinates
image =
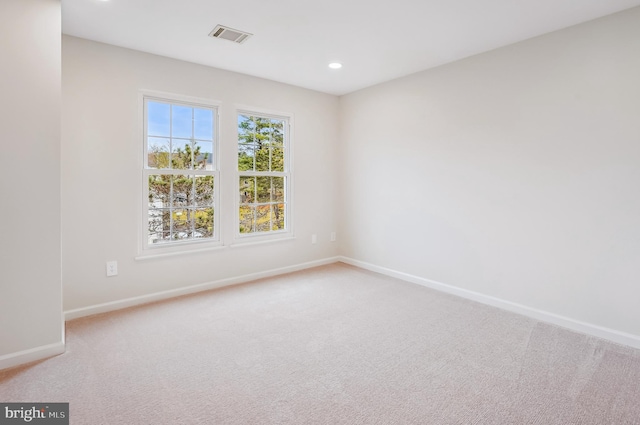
(249, 242)
(155, 254)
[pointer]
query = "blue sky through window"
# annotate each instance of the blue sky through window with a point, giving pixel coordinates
(179, 121)
(158, 123)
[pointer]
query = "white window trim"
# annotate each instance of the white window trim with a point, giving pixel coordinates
(288, 233)
(146, 250)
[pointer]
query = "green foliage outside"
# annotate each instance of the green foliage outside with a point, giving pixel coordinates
(180, 206)
(261, 149)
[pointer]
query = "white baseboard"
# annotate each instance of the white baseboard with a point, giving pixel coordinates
(157, 296)
(31, 355)
(543, 316)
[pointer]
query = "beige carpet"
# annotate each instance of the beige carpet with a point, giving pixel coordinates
(331, 345)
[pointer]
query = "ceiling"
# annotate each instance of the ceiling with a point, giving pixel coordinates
(294, 40)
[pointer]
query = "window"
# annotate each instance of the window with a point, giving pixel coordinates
(263, 174)
(180, 172)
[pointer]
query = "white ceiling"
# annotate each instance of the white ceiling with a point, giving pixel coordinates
(294, 40)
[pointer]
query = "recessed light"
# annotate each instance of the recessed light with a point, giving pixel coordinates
(335, 65)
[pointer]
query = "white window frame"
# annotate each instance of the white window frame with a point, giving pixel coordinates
(287, 232)
(148, 249)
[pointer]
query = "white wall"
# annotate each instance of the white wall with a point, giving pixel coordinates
(30, 288)
(513, 173)
(101, 172)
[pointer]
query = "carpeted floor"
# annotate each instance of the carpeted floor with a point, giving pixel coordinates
(331, 345)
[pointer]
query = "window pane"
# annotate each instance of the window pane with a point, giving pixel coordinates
(182, 191)
(245, 157)
(180, 154)
(247, 219)
(263, 189)
(203, 223)
(277, 142)
(203, 156)
(155, 221)
(247, 190)
(158, 119)
(278, 216)
(203, 124)
(262, 159)
(263, 218)
(182, 223)
(181, 121)
(277, 187)
(246, 129)
(204, 190)
(262, 128)
(155, 238)
(277, 159)
(159, 189)
(159, 226)
(277, 132)
(157, 152)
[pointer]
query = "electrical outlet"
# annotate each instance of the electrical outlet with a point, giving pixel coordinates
(314, 238)
(332, 238)
(112, 268)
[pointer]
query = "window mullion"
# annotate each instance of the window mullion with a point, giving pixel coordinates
(170, 136)
(171, 208)
(191, 206)
(270, 144)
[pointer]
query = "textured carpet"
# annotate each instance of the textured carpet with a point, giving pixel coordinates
(331, 345)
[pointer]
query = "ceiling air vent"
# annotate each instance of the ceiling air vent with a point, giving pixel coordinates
(230, 34)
